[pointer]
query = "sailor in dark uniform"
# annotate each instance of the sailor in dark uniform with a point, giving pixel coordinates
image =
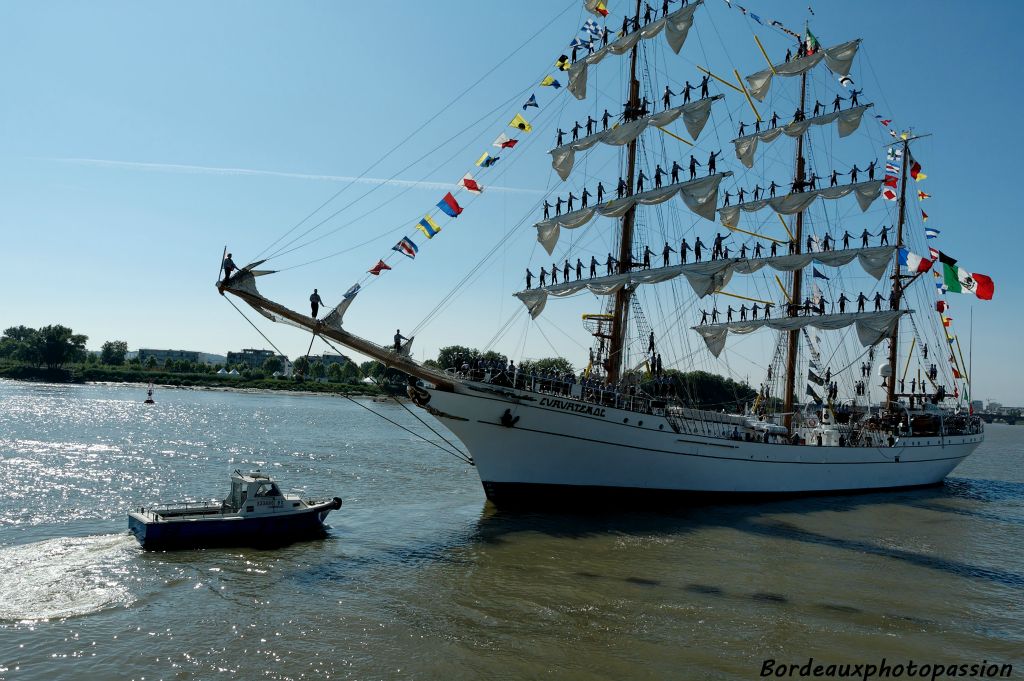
(314, 303)
(398, 340)
(693, 167)
(665, 251)
(229, 267)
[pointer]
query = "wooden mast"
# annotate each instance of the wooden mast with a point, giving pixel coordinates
(620, 315)
(897, 283)
(794, 297)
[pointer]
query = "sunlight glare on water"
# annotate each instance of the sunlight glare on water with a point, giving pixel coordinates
(420, 577)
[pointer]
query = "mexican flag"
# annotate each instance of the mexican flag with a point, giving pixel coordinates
(811, 41)
(959, 280)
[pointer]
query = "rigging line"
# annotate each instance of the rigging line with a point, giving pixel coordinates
(254, 326)
(475, 269)
(411, 432)
(561, 331)
(467, 458)
(502, 241)
(550, 344)
(284, 249)
(456, 453)
(500, 62)
(404, 224)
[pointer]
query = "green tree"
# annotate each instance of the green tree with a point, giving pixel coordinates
(22, 344)
(705, 390)
(349, 372)
(151, 362)
(559, 365)
(59, 345)
(135, 362)
(448, 356)
(272, 365)
(168, 364)
(372, 369)
(335, 373)
(493, 356)
(301, 366)
(113, 352)
(317, 370)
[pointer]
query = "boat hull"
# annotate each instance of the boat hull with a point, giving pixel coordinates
(564, 449)
(274, 529)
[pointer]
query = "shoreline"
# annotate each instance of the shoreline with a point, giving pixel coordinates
(102, 376)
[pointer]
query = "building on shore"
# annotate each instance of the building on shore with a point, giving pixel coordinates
(161, 356)
(254, 359)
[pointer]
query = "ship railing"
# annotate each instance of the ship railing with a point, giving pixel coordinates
(637, 401)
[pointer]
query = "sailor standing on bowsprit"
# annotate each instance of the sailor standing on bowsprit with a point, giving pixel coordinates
(398, 340)
(314, 303)
(229, 267)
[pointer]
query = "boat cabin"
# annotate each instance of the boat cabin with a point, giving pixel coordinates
(252, 490)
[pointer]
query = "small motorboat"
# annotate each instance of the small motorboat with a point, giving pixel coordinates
(256, 513)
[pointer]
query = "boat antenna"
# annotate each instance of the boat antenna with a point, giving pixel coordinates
(620, 315)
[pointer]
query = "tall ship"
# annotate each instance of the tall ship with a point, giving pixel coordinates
(777, 254)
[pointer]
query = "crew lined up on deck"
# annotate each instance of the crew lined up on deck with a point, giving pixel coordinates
(800, 115)
(810, 183)
(629, 113)
(807, 308)
(622, 188)
(719, 250)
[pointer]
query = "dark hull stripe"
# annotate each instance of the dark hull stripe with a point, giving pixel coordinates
(521, 495)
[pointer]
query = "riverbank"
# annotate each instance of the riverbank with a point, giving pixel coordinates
(103, 374)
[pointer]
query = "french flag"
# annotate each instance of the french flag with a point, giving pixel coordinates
(914, 262)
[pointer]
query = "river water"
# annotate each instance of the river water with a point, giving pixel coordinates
(421, 578)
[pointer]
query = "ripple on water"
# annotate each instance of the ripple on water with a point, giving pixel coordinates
(65, 577)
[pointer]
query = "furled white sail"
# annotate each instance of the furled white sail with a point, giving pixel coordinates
(711, 276)
(865, 192)
(849, 121)
(872, 327)
(676, 26)
(838, 59)
(695, 116)
(700, 196)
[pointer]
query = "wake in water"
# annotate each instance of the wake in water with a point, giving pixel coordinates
(65, 577)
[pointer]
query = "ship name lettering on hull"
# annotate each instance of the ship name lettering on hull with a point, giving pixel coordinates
(571, 406)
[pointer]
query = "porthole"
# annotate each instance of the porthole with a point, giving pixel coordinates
(640, 423)
(625, 420)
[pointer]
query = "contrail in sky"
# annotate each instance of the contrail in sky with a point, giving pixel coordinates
(213, 170)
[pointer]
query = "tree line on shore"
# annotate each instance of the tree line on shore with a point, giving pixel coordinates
(57, 353)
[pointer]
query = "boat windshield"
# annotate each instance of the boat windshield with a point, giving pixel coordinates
(268, 489)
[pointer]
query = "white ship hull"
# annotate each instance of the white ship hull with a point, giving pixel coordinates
(561, 449)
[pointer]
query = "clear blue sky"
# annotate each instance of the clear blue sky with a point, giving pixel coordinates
(137, 139)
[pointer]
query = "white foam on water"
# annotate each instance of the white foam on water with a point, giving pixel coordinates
(65, 577)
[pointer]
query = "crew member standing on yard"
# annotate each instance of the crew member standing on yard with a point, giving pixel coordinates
(229, 267)
(398, 340)
(314, 303)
